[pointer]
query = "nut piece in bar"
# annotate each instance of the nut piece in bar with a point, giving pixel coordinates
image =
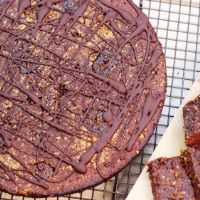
(191, 158)
(191, 116)
(169, 179)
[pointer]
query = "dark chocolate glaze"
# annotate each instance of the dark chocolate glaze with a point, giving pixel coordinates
(60, 88)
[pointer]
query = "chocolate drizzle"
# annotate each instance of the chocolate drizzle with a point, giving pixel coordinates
(23, 5)
(74, 77)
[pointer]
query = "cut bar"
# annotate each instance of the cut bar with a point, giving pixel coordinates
(191, 116)
(169, 179)
(191, 158)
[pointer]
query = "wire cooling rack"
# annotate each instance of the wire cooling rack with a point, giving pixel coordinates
(177, 23)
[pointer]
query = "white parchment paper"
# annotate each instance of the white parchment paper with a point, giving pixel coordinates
(170, 145)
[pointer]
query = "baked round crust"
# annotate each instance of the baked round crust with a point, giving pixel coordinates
(82, 86)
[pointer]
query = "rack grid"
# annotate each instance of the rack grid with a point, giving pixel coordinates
(177, 23)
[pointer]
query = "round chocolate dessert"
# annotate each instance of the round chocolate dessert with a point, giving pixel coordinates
(82, 86)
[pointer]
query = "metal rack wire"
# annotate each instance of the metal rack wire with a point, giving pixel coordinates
(177, 23)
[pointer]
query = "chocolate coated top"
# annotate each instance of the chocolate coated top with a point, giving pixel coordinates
(82, 84)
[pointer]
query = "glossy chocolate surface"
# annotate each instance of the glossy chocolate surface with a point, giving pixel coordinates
(82, 85)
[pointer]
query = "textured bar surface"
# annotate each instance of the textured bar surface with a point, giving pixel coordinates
(169, 179)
